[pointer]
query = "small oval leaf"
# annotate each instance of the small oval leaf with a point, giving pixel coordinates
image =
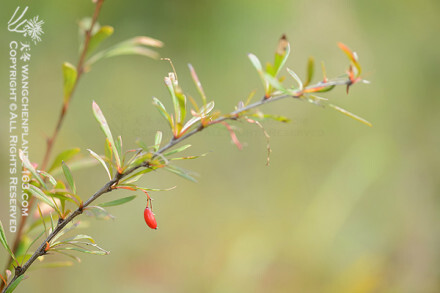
(69, 75)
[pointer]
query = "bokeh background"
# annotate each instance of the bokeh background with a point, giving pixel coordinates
(342, 207)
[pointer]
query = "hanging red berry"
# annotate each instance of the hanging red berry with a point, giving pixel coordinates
(149, 218)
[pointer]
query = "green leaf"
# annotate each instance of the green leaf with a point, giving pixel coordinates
(326, 89)
(102, 34)
(83, 26)
(109, 155)
(181, 172)
(5, 242)
(296, 78)
(178, 150)
(136, 176)
(105, 128)
(76, 165)
(161, 108)
(42, 196)
(33, 241)
(188, 157)
(197, 83)
(141, 159)
(134, 46)
(65, 231)
(100, 160)
(275, 83)
(38, 223)
(69, 177)
(75, 238)
(118, 142)
(156, 189)
(310, 71)
(203, 112)
(169, 80)
(181, 98)
(68, 255)
(48, 176)
(14, 284)
(69, 75)
(351, 115)
(281, 55)
(31, 169)
(157, 140)
(117, 202)
(65, 156)
(273, 117)
(21, 260)
(257, 64)
(352, 56)
(98, 212)
(96, 252)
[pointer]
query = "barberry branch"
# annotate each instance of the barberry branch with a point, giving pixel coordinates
(51, 140)
(113, 183)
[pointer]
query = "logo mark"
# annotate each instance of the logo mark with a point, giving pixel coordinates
(31, 28)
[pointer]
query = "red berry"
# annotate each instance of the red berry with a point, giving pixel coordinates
(149, 218)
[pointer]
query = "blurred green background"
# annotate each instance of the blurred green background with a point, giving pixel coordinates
(342, 207)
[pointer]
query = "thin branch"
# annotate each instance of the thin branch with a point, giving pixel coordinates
(51, 141)
(110, 185)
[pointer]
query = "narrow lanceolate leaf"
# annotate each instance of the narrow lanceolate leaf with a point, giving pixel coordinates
(178, 150)
(4, 242)
(76, 165)
(188, 157)
(257, 64)
(181, 172)
(181, 98)
(96, 252)
(69, 177)
(98, 212)
(106, 129)
(103, 33)
(197, 83)
(42, 196)
(63, 156)
(118, 143)
(14, 285)
(100, 160)
(31, 168)
(157, 140)
(275, 83)
(141, 159)
(136, 176)
(156, 189)
(169, 83)
(281, 55)
(351, 115)
(48, 176)
(134, 46)
(161, 108)
(270, 116)
(203, 112)
(68, 255)
(33, 241)
(118, 201)
(69, 76)
(74, 238)
(310, 71)
(109, 155)
(352, 56)
(296, 78)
